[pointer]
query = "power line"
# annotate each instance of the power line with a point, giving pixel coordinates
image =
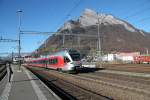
(4, 53)
(76, 5)
(36, 32)
(58, 33)
(144, 19)
(70, 11)
(136, 13)
(8, 40)
(143, 10)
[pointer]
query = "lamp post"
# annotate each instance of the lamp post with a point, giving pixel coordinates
(79, 41)
(19, 42)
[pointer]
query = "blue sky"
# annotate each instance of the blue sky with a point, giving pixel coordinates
(49, 15)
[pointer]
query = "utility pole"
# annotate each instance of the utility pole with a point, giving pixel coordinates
(147, 51)
(78, 41)
(63, 41)
(99, 41)
(45, 44)
(98, 33)
(19, 42)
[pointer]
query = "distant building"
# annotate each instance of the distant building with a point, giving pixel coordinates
(127, 56)
(121, 56)
(109, 57)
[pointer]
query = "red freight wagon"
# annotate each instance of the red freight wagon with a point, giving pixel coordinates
(141, 59)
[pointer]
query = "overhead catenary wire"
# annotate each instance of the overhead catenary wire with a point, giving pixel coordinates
(144, 19)
(140, 11)
(76, 4)
(137, 13)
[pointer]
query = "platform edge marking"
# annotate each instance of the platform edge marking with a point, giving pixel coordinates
(37, 90)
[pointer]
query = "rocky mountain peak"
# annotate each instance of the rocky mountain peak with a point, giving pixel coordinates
(90, 17)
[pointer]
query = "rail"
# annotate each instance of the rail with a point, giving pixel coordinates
(66, 90)
(3, 71)
(104, 88)
(61, 93)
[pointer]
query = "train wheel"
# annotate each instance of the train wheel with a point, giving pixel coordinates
(59, 69)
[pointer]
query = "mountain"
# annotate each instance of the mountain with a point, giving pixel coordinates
(115, 35)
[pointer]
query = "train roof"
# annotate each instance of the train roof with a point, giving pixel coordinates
(46, 58)
(57, 56)
(63, 52)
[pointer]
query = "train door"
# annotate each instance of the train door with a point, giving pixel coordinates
(45, 63)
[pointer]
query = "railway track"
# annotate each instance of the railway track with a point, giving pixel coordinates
(141, 68)
(3, 71)
(65, 89)
(136, 79)
(96, 86)
(122, 82)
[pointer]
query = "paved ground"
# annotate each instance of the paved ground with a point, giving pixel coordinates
(24, 86)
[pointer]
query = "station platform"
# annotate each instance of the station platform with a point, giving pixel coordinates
(24, 86)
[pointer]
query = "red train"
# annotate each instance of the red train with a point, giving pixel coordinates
(142, 59)
(66, 60)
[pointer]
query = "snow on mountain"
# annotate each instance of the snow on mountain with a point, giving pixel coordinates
(142, 32)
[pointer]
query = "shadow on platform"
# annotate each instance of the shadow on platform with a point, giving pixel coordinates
(89, 70)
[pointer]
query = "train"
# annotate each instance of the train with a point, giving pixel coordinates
(141, 59)
(64, 60)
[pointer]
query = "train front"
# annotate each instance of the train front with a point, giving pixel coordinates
(75, 59)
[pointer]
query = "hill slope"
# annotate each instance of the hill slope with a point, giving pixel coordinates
(115, 35)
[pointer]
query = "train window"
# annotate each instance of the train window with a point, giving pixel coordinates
(48, 61)
(51, 61)
(75, 55)
(66, 60)
(55, 61)
(43, 62)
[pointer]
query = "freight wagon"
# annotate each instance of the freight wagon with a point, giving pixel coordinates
(141, 59)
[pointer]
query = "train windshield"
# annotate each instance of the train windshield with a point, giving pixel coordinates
(74, 55)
